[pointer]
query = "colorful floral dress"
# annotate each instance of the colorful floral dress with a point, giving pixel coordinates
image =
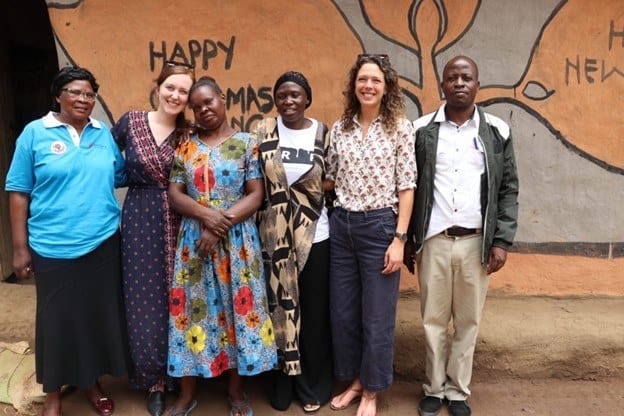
(218, 313)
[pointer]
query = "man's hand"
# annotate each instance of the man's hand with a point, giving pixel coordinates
(496, 259)
(409, 254)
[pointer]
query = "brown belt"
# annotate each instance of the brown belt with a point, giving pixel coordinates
(461, 231)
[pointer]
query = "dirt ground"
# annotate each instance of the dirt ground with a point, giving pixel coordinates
(535, 356)
(509, 397)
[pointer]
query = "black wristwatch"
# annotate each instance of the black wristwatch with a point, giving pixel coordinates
(401, 236)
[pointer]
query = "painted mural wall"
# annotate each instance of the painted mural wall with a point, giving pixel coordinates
(553, 69)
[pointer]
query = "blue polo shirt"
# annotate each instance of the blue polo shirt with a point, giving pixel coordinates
(71, 182)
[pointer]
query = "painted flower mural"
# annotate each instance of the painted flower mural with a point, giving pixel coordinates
(530, 72)
(549, 68)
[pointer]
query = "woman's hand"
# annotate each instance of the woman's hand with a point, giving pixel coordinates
(217, 221)
(19, 207)
(22, 264)
(206, 243)
(393, 257)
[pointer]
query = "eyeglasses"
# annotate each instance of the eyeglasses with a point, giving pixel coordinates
(171, 63)
(381, 56)
(87, 95)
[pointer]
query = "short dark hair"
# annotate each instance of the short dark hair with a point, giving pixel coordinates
(299, 79)
(205, 81)
(67, 75)
(457, 58)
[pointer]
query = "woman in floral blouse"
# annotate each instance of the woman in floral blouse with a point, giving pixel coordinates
(219, 319)
(371, 161)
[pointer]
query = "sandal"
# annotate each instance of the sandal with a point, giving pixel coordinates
(311, 408)
(353, 401)
(238, 408)
(183, 412)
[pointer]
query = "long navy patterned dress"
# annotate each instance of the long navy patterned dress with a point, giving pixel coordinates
(148, 228)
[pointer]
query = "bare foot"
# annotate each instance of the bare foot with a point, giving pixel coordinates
(239, 404)
(348, 397)
(368, 404)
(94, 393)
(52, 404)
(51, 410)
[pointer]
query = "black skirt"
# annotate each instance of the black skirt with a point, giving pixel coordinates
(80, 329)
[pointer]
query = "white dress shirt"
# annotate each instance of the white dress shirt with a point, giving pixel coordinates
(460, 162)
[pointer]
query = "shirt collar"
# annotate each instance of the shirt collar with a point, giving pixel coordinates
(49, 121)
(375, 120)
(440, 116)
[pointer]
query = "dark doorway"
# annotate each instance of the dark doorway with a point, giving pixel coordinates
(28, 62)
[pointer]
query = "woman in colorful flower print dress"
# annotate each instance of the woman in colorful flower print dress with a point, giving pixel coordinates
(219, 319)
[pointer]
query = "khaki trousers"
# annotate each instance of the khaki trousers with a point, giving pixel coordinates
(453, 284)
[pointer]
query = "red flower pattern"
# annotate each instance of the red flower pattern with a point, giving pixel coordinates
(177, 299)
(220, 364)
(200, 181)
(243, 301)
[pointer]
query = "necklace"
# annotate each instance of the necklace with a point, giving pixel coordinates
(215, 140)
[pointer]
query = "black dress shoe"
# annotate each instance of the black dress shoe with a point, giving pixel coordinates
(459, 408)
(156, 403)
(429, 406)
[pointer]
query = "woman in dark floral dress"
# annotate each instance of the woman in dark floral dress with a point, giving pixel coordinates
(149, 227)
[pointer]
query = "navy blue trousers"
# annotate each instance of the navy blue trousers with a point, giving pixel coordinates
(362, 300)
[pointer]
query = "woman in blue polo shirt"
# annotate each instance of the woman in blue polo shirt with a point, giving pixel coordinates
(65, 220)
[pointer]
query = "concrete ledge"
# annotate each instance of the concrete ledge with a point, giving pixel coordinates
(528, 337)
(520, 337)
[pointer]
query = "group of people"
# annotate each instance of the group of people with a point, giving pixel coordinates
(238, 250)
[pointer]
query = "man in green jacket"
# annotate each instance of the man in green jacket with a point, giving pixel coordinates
(463, 222)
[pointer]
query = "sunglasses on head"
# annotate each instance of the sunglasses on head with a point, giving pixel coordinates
(380, 56)
(171, 63)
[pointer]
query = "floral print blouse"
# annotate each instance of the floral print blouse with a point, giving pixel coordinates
(370, 171)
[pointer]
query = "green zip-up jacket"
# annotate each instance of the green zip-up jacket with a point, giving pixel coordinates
(499, 183)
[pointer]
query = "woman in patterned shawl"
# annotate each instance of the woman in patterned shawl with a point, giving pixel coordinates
(294, 231)
(219, 320)
(149, 227)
